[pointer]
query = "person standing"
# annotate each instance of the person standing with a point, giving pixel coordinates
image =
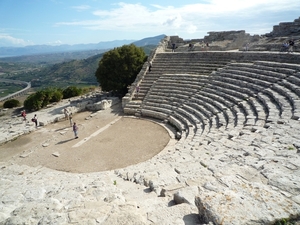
(137, 90)
(23, 114)
(173, 47)
(150, 66)
(66, 112)
(75, 130)
(71, 119)
(247, 46)
(291, 45)
(34, 119)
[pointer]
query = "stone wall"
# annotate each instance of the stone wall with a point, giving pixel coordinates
(286, 29)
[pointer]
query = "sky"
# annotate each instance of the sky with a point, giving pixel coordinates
(56, 22)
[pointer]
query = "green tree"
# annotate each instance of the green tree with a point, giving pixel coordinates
(42, 98)
(57, 95)
(119, 67)
(71, 91)
(32, 102)
(11, 103)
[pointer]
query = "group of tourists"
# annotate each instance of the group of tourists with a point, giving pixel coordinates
(34, 119)
(288, 46)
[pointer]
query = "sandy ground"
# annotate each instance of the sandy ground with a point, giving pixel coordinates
(107, 140)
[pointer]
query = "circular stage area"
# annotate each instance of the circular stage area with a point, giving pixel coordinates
(107, 140)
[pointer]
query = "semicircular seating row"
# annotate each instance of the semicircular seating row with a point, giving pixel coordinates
(234, 97)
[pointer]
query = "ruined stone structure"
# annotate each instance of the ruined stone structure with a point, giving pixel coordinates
(284, 29)
(234, 156)
(236, 115)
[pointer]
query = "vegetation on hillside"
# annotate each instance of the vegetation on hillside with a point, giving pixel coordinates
(42, 74)
(11, 103)
(119, 67)
(44, 97)
(9, 88)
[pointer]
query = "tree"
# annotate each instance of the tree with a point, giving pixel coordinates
(11, 103)
(71, 91)
(119, 67)
(42, 98)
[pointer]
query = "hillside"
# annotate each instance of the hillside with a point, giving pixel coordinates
(74, 72)
(42, 53)
(51, 58)
(63, 69)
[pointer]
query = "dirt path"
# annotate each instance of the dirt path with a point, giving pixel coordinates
(107, 140)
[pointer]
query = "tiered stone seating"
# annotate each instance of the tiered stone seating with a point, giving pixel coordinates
(177, 63)
(233, 95)
(240, 135)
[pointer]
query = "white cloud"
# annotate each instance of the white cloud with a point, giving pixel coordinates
(81, 7)
(190, 18)
(7, 40)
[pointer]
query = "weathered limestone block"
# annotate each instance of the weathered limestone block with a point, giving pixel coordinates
(54, 218)
(264, 205)
(182, 214)
(103, 104)
(186, 195)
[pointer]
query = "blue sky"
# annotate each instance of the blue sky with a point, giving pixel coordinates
(54, 22)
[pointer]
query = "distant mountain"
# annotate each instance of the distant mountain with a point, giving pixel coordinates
(149, 41)
(42, 49)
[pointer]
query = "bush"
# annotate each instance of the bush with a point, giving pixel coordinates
(71, 91)
(57, 96)
(33, 102)
(11, 103)
(42, 98)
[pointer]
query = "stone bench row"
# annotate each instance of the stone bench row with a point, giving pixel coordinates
(267, 68)
(190, 64)
(178, 79)
(250, 106)
(260, 68)
(275, 95)
(282, 97)
(206, 111)
(231, 56)
(254, 85)
(283, 93)
(203, 106)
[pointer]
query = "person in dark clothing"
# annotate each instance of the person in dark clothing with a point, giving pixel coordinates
(75, 130)
(34, 119)
(173, 47)
(150, 66)
(291, 45)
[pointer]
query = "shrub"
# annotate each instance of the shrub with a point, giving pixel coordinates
(33, 102)
(57, 96)
(11, 103)
(71, 91)
(42, 98)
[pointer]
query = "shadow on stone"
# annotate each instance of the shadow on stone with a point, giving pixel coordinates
(191, 219)
(65, 141)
